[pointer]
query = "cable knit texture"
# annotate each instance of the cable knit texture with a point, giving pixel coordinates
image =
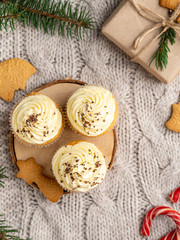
(147, 165)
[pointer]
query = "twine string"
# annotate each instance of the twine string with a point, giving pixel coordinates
(159, 22)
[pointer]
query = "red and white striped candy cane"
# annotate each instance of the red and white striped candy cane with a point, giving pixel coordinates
(175, 196)
(174, 215)
(170, 236)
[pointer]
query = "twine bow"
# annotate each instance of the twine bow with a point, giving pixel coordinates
(159, 21)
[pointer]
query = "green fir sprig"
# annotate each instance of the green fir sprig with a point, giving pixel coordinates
(47, 15)
(2, 175)
(161, 55)
(7, 232)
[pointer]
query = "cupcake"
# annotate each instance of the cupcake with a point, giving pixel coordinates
(36, 120)
(92, 111)
(79, 166)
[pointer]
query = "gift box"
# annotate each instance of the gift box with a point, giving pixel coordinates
(126, 24)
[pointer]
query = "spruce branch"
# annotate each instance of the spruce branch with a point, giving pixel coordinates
(7, 232)
(2, 177)
(161, 55)
(7, 16)
(47, 15)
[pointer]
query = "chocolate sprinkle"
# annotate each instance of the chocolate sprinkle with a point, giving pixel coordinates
(32, 119)
(97, 164)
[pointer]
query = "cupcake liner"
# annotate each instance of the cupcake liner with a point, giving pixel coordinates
(65, 115)
(50, 142)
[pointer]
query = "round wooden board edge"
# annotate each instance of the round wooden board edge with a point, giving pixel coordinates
(68, 80)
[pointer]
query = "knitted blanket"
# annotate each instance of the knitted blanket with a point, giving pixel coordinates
(147, 165)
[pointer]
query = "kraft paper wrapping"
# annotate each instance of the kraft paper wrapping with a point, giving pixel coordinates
(125, 25)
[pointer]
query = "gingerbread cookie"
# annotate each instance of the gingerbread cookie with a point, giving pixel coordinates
(14, 74)
(174, 122)
(171, 4)
(31, 172)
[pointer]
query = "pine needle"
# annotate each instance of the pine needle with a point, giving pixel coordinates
(47, 15)
(7, 232)
(161, 55)
(2, 176)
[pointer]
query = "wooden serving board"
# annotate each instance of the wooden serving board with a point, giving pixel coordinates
(60, 91)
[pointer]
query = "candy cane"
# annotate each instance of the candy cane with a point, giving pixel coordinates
(170, 236)
(175, 216)
(175, 196)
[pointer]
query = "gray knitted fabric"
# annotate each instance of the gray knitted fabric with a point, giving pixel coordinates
(147, 165)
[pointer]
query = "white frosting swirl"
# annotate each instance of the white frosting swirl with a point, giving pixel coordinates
(91, 110)
(36, 119)
(79, 167)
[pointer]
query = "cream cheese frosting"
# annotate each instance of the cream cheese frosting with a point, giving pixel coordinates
(79, 167)
(91, 110)
(36, 119)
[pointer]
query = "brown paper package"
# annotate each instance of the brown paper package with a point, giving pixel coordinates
(125, 25)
